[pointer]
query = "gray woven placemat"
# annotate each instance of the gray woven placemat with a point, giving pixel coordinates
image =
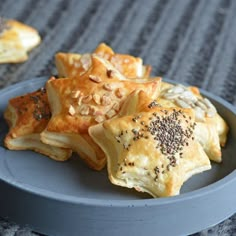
(187, 40)
(226, 228)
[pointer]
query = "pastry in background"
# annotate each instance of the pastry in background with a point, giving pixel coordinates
(130, 66)
(27, 116)
(153, 150)
(95, 96)
(72, 65)
(16, 40)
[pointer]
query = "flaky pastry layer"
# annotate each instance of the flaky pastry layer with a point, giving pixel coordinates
(16, 40)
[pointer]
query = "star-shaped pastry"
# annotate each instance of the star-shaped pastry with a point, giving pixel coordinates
(28, 116)
(130, 66)
(16, 40)
(95, 96)
(153, 150)
(72, 65)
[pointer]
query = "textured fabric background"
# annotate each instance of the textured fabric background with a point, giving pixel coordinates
(191, 41)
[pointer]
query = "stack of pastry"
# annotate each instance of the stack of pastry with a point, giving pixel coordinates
(104, 106)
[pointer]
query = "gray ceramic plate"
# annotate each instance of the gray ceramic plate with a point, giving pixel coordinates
(70, 199)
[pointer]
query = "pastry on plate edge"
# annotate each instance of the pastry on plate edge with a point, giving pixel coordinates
(27, 116)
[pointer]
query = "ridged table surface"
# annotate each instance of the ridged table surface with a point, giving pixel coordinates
(192, 41)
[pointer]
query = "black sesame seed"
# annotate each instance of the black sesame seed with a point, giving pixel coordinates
(153, 104)
(169, 134)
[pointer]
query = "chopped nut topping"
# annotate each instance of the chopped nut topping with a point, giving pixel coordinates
(84, 110)
(116, 106)
(108, 87)
(92, 110)
(87, 99)
(99, 118)
(98, 113)
(80, 98)
(120, 92)
(71, 110)
(95, 78)
(111, 86)
(75, 94)
(97, 99)
(110, 73)
(111, 113)
(106, 100)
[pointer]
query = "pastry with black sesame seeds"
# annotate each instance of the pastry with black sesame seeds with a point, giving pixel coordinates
(153, 150)
(27, 116)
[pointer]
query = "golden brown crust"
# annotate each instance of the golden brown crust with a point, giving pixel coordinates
(27, 116)
(95, 96)
(105, 107)
(16, 40)
(72, 65)
(153, 151)
(68, 64)
(130, 66)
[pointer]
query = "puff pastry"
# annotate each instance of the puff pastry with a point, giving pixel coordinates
(27, 116)
(95, 96)
(16, 40)
(153, 150)
(73, 65)
(211, 130)
(70, 65)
